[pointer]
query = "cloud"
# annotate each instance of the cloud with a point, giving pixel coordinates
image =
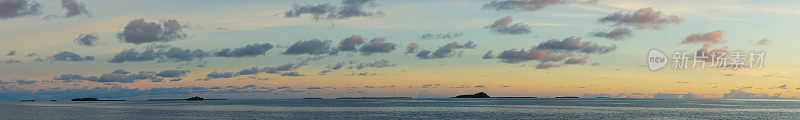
(216, 74)
(337, 66)
(87, 39)
(159, 53)
(350, 43)
(349, 8)
(574, 44)
(7, 61)
(70, 56)
(521, 5)
(445, 51)
(74, 8)
(521, 55)
(139, 31)
(312, 47)
(246, 51)
(504, 26)
(317, 88)
(764, 42)
(645, 18)
(708, 52)
(377, 45)
(489, 55)
(713, 37)
(441, 36)
(578, 60)
(118, 75)
(25, 82)
(11, 53)
(411, 48)
(295, 74)
(546, 65)
(19, 8)
(249, 71)
(739, 94)
(376, 64)
(618, 33)
(172, 73)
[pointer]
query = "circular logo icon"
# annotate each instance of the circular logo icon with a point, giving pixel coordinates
(656, 60)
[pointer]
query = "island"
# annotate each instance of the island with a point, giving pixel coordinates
(567, 97)
(93, 99)
(195, 98)
(476, 95)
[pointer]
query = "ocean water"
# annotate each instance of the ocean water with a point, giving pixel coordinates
(446, 108)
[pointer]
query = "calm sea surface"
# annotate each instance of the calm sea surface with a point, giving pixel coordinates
(408, 109)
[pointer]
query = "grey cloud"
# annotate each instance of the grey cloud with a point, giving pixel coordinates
(337, 66)
(154, 53)
(445, 51)
(504, 26)
(350, 43)
(139, 31)
(575, 44)
(645, 18)
(25, 82)
(19, 8)
(220, 75)
(377, 45)
(87, 39)
(441, 36)
(295, 74)
(11, 61)
(74, 8)
(376, 64)
(70, 56)
(11, 53)
(120, 71)
(31, 55)
(489, 55)
(618, 33)
(116, 76)
(349, 8)
(312, 47)
(712, 37)
(246, 51)
(249, 71)
(172, 73)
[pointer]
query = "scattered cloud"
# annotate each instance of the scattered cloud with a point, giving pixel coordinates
(139, 31)
(488, 55)
(618, 33)
(87, 39)
(445, 51)
(411, 48)
(764, 42)
(349, 8)
(377, 45)
(713, 37)
(172, 73)
(19, 8)
(11, 53)
(504, 26)
(441, 36)
(74, 8)
(246, 51)
(70, 56)
(312, 47)
(350, 43)
(645, 18)
(740, 94)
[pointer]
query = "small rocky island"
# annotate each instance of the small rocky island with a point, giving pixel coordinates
(476, 95)
(92, 99)
(195, 98)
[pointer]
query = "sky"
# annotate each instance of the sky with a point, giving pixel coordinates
(285, 49)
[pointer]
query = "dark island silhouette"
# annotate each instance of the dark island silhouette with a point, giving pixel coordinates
(484, 95)
(195, 98)
(92, 99)
(476, 95)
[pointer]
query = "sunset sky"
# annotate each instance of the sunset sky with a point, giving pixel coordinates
(152, 49)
